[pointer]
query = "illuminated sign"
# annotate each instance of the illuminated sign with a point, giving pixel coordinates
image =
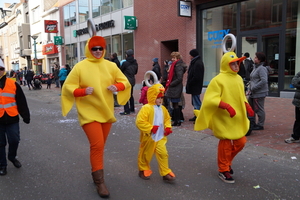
(49, 49)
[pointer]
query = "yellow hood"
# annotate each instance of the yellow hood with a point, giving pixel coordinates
(228, 58)
(153, 92)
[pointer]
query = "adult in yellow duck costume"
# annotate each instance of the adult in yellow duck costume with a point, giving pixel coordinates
(224, 111)
(91, 84)
(154, 123)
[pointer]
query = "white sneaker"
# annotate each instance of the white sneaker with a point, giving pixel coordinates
(291, 140)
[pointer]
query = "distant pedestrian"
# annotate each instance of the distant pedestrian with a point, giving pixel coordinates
(154, 123)
(156, 69)
(259, 89)
(194, 82)
(63, 73)
(143, 97)
(55, 74)
(295, 137)
(49, 81)
(129, 69)
(29, 77)
(12, 104)
(174, 85)
(114, 58)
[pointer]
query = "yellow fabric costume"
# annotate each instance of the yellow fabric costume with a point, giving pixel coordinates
(228, 87)
(153, 143)
(99, 74)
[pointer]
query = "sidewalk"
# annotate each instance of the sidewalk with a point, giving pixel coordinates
(280, 118)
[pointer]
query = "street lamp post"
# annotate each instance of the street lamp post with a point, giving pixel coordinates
(34, 37)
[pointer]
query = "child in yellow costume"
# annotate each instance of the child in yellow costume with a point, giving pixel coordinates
(154, 123)
(224, 111)
(91, 84)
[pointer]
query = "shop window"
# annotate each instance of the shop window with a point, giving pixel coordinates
(127, 3)
(116, 4)
(105, 6)
(36, 14)
(70, 14)
(250, 13)
(108, 47)
(127, 43)
(294, 9)
(277, 11)
(71, 54)
(117, 45)
(83, 7)
(96, 8)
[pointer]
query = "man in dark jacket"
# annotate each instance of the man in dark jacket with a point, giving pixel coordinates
(129, 69)
(12, 104)
(114, 58)
(29, 77)
(156, 69)
(195, 80)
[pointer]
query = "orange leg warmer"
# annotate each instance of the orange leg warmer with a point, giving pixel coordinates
(227, 150)
(97, 134)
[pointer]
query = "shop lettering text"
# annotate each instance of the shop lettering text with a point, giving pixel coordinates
(101, 26)
(217, 36)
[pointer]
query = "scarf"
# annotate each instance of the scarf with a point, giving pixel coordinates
(170, 75)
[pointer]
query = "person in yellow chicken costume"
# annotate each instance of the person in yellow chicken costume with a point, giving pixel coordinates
(91, 84)
(154, 123)
(224, 111)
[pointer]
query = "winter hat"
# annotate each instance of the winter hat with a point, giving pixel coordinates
(155, 59)
(170, 62)
(129, 52)
(247, 54)
(194, 52)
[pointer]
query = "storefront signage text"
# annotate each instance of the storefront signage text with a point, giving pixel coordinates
(185, 8)
(217, 36)
(101, 26)
(51, 26)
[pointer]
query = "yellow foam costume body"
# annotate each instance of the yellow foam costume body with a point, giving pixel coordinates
(153, 143)
(99, 74)
(228, 87)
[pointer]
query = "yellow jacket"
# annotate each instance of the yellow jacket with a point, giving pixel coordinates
(145, 117)
(99, 74)
(228, 87)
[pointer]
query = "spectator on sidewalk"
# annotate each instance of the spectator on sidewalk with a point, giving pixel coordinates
(13, 103)
(258, 90)
(295, 137)
(174, 85)
(63, 73)
(194, 82)
(29, 77)
(224, 111)
(129, 69)
(156, 69)
(55, 74)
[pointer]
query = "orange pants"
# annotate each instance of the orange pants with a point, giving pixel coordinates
(97, 134)
(227, 150)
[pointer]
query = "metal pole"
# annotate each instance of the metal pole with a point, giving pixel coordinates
(34, 37)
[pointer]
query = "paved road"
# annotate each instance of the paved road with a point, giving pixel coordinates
(55, 156)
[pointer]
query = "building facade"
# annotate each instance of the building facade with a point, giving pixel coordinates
(270, 26)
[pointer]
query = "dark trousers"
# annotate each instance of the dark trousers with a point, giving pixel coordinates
(29, 83)
(129, 106)
(296, 128)
(9, 133)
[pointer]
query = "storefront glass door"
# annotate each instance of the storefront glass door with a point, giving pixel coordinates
(269, 44)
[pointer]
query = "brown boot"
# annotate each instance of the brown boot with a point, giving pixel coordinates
(99, 181)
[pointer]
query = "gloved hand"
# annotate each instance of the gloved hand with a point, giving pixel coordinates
(168, 131)
(154, 129)
(249, 110)
(228, 107)
(26, 120)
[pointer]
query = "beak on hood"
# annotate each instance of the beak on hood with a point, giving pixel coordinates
(228, 58)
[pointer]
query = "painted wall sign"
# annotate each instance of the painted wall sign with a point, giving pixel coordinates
(51, 26)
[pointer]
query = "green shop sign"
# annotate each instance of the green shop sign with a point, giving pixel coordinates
(130, 22)
(58, 40)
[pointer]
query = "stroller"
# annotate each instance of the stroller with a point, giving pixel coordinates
(37, 84)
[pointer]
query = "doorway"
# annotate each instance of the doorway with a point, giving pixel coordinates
(269, 43)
